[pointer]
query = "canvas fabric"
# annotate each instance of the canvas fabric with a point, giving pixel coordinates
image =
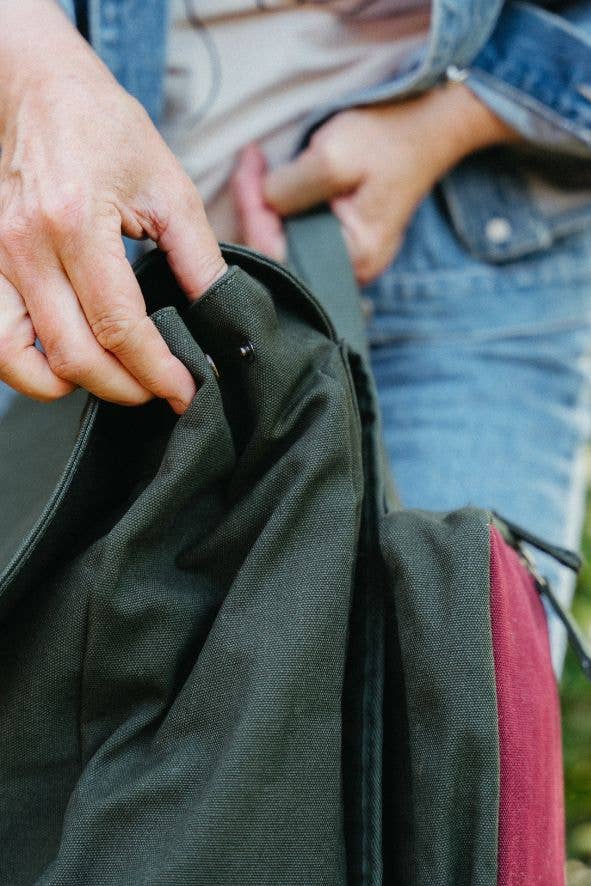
(228, 655)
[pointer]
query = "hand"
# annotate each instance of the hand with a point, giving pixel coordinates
(81, 164)
(372, 165)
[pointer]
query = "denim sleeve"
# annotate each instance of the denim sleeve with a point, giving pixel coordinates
(68, 7)
(535, 73)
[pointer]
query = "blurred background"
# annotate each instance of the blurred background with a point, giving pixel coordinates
(576, 707)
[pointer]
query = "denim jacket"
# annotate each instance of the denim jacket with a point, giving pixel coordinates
(529, 61)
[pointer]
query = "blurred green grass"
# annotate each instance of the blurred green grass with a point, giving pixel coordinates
(576, 721)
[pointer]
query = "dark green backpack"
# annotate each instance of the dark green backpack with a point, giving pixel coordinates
(229, 657)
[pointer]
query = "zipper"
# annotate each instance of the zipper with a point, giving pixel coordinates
(576, 638)
(570, 559)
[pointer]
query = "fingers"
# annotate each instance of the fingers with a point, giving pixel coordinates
(366, 218)
(187, 239)
(260, 226)
(320, 173)
(88, 311)
(22, 365)
(370, 235)
(71, 348)
(114, 308)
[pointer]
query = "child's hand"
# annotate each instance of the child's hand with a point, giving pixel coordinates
(373, 165)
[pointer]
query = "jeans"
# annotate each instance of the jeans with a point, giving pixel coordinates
(484, 372)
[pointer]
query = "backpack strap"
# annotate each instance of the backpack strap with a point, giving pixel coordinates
(318, 255)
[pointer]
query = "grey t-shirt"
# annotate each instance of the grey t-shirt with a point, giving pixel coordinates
(253, 70)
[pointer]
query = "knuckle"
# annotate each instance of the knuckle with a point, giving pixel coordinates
(14, 231)
(370, 264)
(188, 200)
(64, 212)
(113, 328)
(365, 275)
(367, 258)
(329, 156)
(154, 217)
(363, 268)
(135, 112)
(69, 366)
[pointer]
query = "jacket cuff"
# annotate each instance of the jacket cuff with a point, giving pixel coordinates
(68, 7)
(535, 73)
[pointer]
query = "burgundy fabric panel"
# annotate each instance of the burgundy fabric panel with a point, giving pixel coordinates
(531, 813)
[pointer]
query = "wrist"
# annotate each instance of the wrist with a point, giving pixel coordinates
(460, 124)
(483, 128)
(35, 35)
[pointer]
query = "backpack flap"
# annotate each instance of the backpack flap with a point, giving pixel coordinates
(173, 631)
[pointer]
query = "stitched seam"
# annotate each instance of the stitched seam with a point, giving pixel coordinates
(531, 103)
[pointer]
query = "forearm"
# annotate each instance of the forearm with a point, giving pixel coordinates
(37, 41)
(450, 123)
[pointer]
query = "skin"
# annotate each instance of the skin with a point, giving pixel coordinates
(373, 166)
(82, 164)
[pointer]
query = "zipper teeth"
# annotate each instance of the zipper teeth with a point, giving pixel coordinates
(576, 640)
(529, 563)
(30, 542)
(568, 558)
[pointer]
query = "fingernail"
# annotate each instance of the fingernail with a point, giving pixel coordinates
(181, 403)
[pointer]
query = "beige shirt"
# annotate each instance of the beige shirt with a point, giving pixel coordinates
(253, 70)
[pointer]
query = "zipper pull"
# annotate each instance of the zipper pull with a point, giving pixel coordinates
(577, 641)
(568, 558)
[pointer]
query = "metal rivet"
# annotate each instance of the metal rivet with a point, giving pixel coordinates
(367, 307)
(455, 74)
(214, 368)
(247, 350)
(498, 230)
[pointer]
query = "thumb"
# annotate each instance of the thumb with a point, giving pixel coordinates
(190, 245)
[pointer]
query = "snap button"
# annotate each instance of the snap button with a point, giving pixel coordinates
(498, 230)
(455, 74)
(247, 350)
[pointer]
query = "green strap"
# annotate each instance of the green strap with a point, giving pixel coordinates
(319, 256)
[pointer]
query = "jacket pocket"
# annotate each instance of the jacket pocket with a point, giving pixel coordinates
(505, 205)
